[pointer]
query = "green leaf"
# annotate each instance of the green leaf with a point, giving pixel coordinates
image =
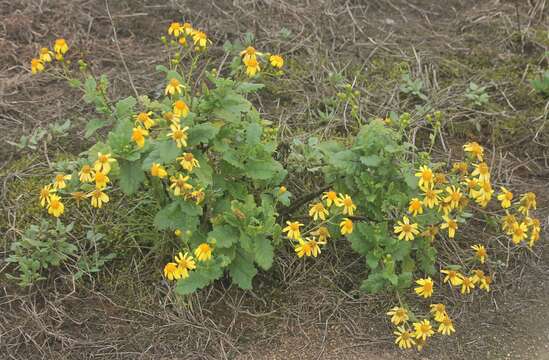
(131, 176)
(374, 283)
(90, 90)
(124, 108)
(245, 88)
(204, 173)
(372, 260)
(371, 160)
(201, 133)
(225, 235)
(242, 270)
(253, 134)
(93, 125)
(264, 252)
(262, 169)
(198, 279)
(168, 151)
(178, 215)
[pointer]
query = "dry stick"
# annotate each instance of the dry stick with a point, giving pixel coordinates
(119, 50)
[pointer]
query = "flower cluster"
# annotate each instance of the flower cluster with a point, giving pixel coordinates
(45, 55)
(185, 263)
(185, 34)
(251, 59)
(341, 207)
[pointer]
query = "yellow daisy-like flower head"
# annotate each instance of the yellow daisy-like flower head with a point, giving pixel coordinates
(179, 135)
(55, 207)
(404, 338)
(45, 195)
(423, 330)
(37, 66)
(145, 119)
(292, 230)
(276, 61)
(174, 87)
(467, 284)
(527, 202)
(461, 167)
(398, 315)
(60, 46)
(438, 311)
(405, 230)
(415, 207)
(346, 226)
(425, 175)
(46, 55)
(59, 182)
(171, 271)
(453, 277)
(203, 252)
(480, 252)
(101, 180)
(431, 196)
(318, 211)
(322, 233)
(453, 197)
(482, 171)
(188, 162)
(185, 263)
(98, 198)
(187, 28)
(425, 288)
(330, 197)
(346, 202)
(158, 171)
(307, 248)
(175, 29)
(475, 149)
(200, 39)
(180, 109)
(85, 174)
(451, 225)
(505, 197)
(179, 185)
(446, 326)
(519, 232)
(103, 163)
(138, 136)
(485, 282)
(249, 53)
(252, 66)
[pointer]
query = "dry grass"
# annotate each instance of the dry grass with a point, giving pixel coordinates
(306, 310)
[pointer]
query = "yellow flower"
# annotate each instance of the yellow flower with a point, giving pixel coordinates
(138, 135)
(86, 174)
(200, 39)
(477, 275)
(508, 222)
(404, 338)
(454, 196)
(440, 178)
(172, 271)
(37, 66)
(398, 315)
(519, 232)
(485, 282)
(276, 61)
(446, 327)
(101, 180)
(59, 182)
(425, 176)
(203, 252)
(180, 109)
(527, 202)
(467, 284)
(197, 196)
(480, 252)
(179, 185)
(188, 162)
(292, 230)
(331, 198)
(45, 194)
(145, 119)
(307, 248)
(175, 29)
(187, 28)
(475, 149)
(177, 232)
(423, 329)
(431, 198)
(182, 41)
(482, 171)
(348, 206)
(60, 46)
(282, 189)
(179, 135)
(425, 287)
(438, 311)
(46, 55)
(406, 230)
(252, 66)
(158, 171)
(249, 53)
(185, 263)
(505, 197)
(98, 197)
(78, 196)
(451, 225)
(431, 232)
(460, 167)
(322, 233)
(484, 194)
(174, 87)
(103, 163)
(346, 226)
(414, 207)
(472, 184)
(453, 277)
(55, 207)
(318, 211)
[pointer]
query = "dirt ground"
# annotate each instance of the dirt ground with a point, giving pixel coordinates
(299, 310)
